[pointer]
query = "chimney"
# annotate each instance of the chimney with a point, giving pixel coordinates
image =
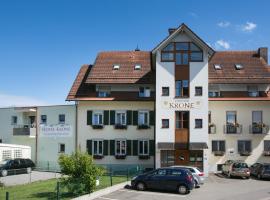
(171, 30)
(263, 53)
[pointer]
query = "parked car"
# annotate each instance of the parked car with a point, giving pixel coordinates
(236, 169)
(16, 166)
(198, 175)
(260, 170)
(170, 179)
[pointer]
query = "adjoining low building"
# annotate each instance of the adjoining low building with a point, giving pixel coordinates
(48, 130)
(11, 151)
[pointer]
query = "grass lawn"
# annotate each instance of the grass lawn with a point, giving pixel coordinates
(47, 189)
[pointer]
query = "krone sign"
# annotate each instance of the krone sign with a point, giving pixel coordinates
(182, 104)
(59, 130)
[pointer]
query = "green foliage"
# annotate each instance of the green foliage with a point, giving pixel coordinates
(79, 172)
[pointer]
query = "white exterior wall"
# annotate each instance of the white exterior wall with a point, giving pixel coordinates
(86, 132)
(244, 117)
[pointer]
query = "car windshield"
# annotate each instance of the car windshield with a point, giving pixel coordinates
(240, 165)
(199, 169)
(267, 167)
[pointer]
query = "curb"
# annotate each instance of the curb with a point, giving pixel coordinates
(103, 192)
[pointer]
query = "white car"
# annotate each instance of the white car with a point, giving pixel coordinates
(198, 175)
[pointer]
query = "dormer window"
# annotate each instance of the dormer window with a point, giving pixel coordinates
(116, 67)
(217, 67)
(238, 66)
(144, 92)
(138, 67)
(104, 91)
(253, 91)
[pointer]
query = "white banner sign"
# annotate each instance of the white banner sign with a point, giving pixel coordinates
(59, 130)
(182, 104)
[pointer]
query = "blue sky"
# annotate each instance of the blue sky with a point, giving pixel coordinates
(44, 43)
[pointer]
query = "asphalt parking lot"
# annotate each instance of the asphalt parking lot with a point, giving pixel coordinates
(27, 178)
(216, 187)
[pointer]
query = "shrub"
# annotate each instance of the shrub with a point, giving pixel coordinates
(79, 172)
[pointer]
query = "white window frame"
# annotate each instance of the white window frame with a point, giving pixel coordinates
(143, 150)
(59, 148)
(12, 120)
(98, 143)
(143, 112)
(41, 119)
(97, 113)
(121, 112)
(146, 92)
(59, 119)
(125, 150)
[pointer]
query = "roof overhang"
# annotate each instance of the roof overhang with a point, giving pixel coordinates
(184, 28)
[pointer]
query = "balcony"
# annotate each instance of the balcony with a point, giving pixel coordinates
(258, 128)
(233, 128)
(24, 130)
(211, 128)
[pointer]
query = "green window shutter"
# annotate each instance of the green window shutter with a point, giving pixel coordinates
(112, 117)
(152, 118)
(129, 147)
(135, 147)
(129, 117)
(151, 147)
(89, 117)
(112, 147)
(89, 147)
(105, 147)
(106, 117)
(135, 117)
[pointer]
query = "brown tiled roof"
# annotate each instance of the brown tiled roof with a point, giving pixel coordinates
(255, 68)
(102, 70)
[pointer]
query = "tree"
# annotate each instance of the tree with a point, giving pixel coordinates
(79, 172)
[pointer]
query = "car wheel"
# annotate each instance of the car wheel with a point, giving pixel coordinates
(182, 189)
(28, 170)
(259, 176)
(229, 175)
(140, 186)
(196, 184)
(4, 173)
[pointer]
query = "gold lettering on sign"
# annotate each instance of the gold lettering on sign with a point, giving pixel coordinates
(181, 105)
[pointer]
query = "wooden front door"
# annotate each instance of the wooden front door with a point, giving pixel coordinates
(181, 157)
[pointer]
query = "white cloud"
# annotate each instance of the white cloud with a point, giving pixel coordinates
(224, 24)
(222, 44)
(7, 100)
(249, 27)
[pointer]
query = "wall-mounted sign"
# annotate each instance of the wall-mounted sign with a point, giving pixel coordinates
(182, 104)
(59, 130)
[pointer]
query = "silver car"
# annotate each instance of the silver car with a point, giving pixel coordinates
(198, 175)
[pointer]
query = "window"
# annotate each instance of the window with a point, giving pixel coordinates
(43, 119)
(144, 92)
(213, 94)
(175, 172)
(198, 123)
(181, 59)
(104, 91)
(238, 66)
(231, 122)
(97, 147)
(116, 67)
(137, 67)
(6, 154)
(165, 91)
(143, 147)
(182, 88)
(266, 145)
(218, 145)
(161, 172)
(14, 120)
(120, 147)
(143, 118)
(182, 119)
(217, 67)
(196, 56)
(62, 119)
(165, 123)
(244, 146)
(209, 117)
(97, 118)
(253, 91)
(120, 117)
(167, 56)
(181, 46)
(198, 91)
(61, 148)
(17, 153)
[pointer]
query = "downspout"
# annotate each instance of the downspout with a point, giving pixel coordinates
(36, 149)
(76, 126)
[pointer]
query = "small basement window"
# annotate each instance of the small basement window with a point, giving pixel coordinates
(137, 67)
(116, 67)
(238, 66)
(217, 67)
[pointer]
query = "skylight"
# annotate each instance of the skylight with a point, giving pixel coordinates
(217, 66)
(116, 67)
(137, 67)
(239, 66)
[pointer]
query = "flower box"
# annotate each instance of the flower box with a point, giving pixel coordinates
(219, 153)
(144, 157)
(245, 153)
(120, 157)
(143, 126)
(97, 126)
(120, 126)
(97, 157)
(266, 153)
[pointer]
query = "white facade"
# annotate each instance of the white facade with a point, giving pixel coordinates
(11, 151)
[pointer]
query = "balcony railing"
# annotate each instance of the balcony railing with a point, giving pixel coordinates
(232, 128)
(24, 130)
(258, 129)
(211, 128)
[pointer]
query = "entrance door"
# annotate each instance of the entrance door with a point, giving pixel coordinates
(32, 120)
(181, 157)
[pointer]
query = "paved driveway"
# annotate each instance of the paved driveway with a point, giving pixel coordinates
(28, 178)
(215, 188)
